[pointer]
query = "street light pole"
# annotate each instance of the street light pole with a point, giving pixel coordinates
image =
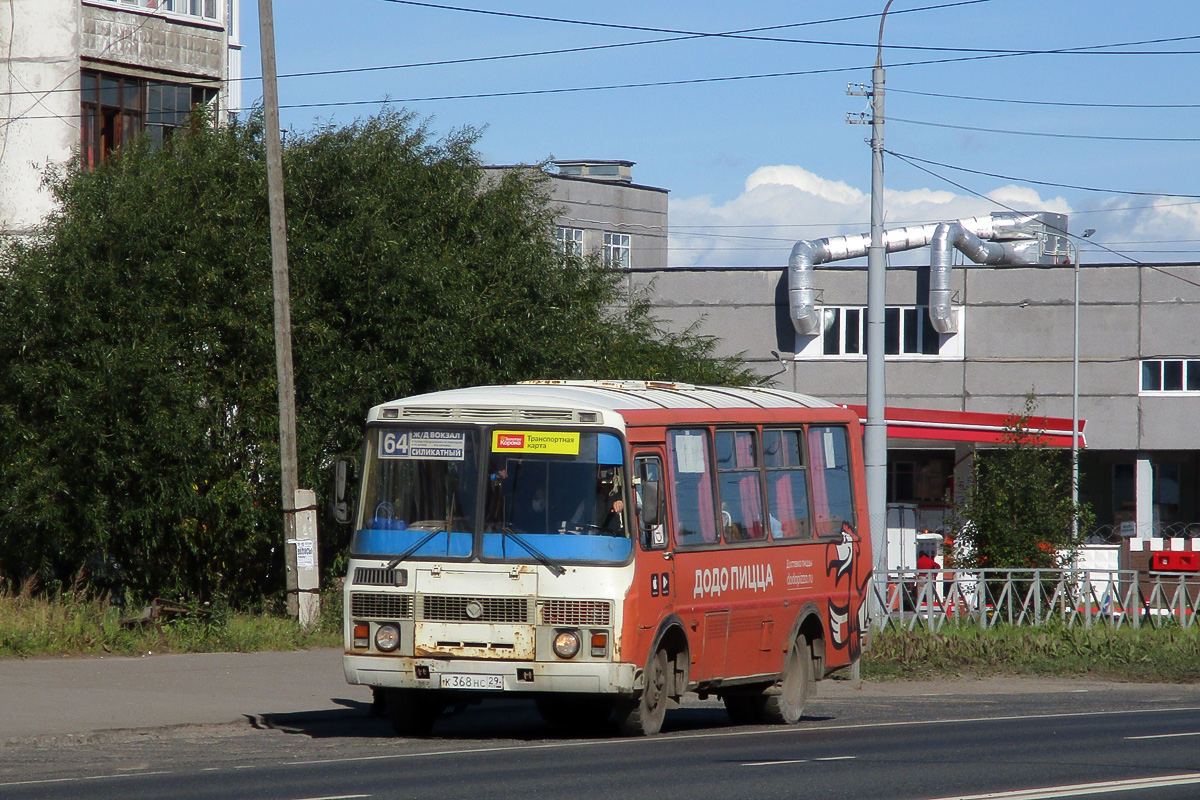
(1075, 397)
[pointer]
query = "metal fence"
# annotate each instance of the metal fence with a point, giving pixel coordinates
(906, 599)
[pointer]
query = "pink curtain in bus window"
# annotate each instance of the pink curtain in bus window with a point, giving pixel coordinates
(708, 523)
(748, 488)
(816, 471)
(785, 509)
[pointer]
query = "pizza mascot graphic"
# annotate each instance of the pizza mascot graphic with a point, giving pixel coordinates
(846, 623)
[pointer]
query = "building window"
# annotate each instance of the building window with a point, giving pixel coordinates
(907, 332)
(116, 108)
(616, 250)
(570, 241)
(1170, 375)
(204, 9)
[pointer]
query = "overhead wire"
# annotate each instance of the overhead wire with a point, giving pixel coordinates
(911, 161)
(1054, 103)
(745, 34)
(1048, 134)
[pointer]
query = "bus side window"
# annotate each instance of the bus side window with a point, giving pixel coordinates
(740, 486)
(787, 484)
(692, 486)
(833, 493)
(651, 502)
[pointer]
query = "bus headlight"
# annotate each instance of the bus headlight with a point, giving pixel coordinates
(387, 638)
(566, 644)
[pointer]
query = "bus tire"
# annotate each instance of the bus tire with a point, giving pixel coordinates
(412, 712)
(644, 716)
(783, 702)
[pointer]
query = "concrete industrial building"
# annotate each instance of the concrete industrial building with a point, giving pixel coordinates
(84, 76)
(1139, 374)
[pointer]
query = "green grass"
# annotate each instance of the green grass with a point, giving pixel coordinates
(69, 625)
(1147, 654)
(73, 626)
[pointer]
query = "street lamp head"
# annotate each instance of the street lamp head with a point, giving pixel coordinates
(1088, 232)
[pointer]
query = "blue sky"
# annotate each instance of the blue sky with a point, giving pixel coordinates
(755, 163)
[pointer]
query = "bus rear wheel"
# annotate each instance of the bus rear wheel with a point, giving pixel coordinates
(779, 703)
(644, 716)
(412, 712)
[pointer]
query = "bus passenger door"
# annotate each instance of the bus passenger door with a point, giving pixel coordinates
(654, 575)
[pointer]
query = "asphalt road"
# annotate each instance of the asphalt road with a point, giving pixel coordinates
(995, 739)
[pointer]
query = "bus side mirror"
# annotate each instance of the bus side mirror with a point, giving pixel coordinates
(653, 537)
(342, 504)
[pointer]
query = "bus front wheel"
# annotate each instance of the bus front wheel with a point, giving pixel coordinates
(644, 716)
(412, 712)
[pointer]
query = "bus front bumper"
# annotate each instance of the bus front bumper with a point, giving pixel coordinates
(499, 677)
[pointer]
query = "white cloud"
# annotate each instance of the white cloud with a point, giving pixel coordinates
(782, 204)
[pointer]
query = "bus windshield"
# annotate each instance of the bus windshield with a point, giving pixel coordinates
(524, 496)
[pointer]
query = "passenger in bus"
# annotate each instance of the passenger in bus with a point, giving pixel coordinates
(609, 498)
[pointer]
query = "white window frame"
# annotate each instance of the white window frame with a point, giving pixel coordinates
(950, 346)
(570, 240)
(1189, 375)
(617, 250)
(171, 8)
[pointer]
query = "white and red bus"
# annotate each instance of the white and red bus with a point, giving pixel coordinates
(606, 547)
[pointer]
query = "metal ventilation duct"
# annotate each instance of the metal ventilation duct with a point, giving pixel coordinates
(1021, 238)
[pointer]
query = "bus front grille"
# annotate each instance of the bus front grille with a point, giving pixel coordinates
(574, 612)
(377, 576)
(368, 605)
(449, 608)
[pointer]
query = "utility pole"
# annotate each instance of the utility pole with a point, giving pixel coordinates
(283, 310)
(875, 443)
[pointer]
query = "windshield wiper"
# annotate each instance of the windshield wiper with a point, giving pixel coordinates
(392, 564)
(556, 569)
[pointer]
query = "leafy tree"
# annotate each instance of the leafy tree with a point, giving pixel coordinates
(1017, 513)
(138, 413)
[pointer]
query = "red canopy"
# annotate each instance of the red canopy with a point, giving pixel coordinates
(969, 426)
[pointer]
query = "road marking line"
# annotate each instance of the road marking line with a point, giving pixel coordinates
(1077, 789)
(1162, 736)
(41, 781)
(726, 734)
(796, 761)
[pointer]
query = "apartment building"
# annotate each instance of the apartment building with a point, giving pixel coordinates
(82, 77)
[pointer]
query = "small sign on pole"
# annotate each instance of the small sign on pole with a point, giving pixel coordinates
(308, 572)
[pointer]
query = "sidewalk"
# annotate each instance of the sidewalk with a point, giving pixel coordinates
(48, 697)
(60, 696)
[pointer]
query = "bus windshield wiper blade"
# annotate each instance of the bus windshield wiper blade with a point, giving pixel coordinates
(556, 569)
(392, 564)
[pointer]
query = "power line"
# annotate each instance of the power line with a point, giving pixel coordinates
(1044, 134)
(586, 48)
(913, 161)
(686, 34)
(1055, 103)
(744, 34)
